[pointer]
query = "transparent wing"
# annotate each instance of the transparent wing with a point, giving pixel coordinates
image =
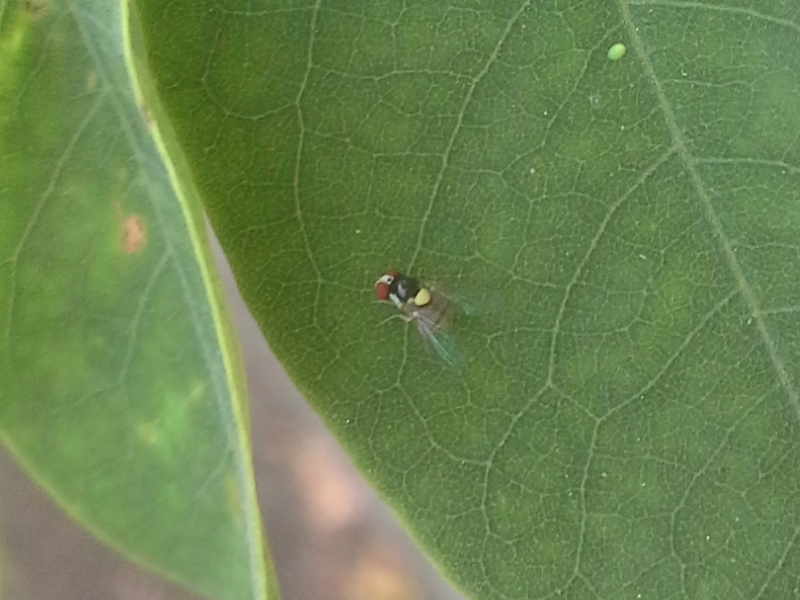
(432, 321)
(443, 344)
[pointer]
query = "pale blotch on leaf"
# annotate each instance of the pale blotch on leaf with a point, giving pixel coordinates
(234, 494)
(147, 116)
(148, 433)
(91, 82)
(616, 51)
(134, 235)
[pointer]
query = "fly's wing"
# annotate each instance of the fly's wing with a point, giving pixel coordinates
(441, 342)
(432, 321)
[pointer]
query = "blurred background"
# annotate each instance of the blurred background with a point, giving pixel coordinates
(331, 537)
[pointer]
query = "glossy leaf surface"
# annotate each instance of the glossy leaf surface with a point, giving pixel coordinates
(625, 233)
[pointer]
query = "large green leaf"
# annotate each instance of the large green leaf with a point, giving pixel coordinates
(624, 419)
(117, 387)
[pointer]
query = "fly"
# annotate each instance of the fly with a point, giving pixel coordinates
(424, 305)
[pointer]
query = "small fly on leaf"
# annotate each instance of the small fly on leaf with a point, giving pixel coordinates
(424, 305)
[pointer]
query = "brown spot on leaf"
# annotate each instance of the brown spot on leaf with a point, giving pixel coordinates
(134, 235)
(36, 8)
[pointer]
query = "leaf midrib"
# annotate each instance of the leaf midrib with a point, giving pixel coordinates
(697, 183)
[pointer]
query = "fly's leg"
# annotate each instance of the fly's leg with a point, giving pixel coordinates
(406, 318)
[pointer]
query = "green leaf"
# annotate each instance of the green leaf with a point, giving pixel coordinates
(625, 419)
(119, 383)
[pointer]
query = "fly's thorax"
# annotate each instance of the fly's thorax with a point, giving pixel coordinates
(405, 288)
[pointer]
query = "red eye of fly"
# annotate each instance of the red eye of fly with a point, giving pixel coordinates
(383, 287)
(382, 290)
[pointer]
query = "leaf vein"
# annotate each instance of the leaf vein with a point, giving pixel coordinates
(712, 217)
(457, 127)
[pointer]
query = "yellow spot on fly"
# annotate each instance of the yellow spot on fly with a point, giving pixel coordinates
(423, 297)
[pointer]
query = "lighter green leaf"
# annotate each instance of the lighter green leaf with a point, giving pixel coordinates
(626, 420)
(117, 386)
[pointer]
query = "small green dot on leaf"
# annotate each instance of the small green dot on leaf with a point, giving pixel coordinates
(616, 51)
